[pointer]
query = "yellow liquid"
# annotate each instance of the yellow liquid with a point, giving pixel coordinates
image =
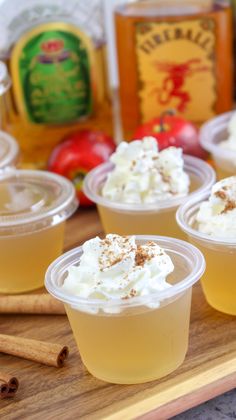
(155, 223)
(136, 346)
(219, 280)
(25, 258)
(133, 348)
(137, 223)
(222, 173)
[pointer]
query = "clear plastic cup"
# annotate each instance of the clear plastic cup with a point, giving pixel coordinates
(33, 208)
(5, 80)
(211, 134)
(9, 151)
(218, 282)
(152, 219)
(139, 339)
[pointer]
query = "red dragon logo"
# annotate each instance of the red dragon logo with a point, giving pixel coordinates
(173, 83)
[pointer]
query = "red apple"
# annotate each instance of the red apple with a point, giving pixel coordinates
(173, 130)
(80, 152)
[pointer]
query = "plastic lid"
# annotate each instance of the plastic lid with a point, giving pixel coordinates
(9, 150)
(5, 81)
(32, 200)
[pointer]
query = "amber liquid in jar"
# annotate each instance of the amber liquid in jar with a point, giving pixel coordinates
(36, 141)
(175, 61)
(55, 55)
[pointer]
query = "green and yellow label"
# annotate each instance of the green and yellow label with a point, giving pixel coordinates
(176, 68)
(51, 68)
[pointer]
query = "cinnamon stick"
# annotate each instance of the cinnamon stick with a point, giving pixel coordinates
(9, 385)
(50, 354)
(31, 304)
(4, 388)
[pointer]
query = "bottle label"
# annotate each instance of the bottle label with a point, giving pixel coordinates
(176, 68)
(51, 68)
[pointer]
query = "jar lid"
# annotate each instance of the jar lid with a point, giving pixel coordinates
(5, 81)
(9, 150)
(32, 200)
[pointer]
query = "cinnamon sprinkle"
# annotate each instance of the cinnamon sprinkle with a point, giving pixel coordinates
(108, 259)
(221, 194)
(167, 180)
(133, 163)
(230, 205)
(131, 294)
(141, 256)
(116, 261)
(150, 244)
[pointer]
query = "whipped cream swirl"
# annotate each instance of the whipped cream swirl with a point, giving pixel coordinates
(230, 142)
(217, 215)
(144, 175)
(118, 268)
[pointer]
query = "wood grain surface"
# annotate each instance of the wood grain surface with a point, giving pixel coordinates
(71, 392)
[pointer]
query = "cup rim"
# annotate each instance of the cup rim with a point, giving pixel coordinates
(199, 165)
(189, 252)
(206, 138)
(194, 203)
(61, 210)
(13, 150)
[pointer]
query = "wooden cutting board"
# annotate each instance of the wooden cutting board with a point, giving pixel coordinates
(71, 392)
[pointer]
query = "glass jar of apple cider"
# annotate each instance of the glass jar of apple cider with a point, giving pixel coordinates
(55, 53)
(173, 54)
(34, 206)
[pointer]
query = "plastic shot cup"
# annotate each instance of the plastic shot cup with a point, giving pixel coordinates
(211, 134)
(152, 219)
(33, 208)
(139, 339)
(9, 151)
(218, 282)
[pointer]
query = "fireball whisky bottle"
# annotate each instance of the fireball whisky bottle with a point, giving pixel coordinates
(173, 54)
(54, 51)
